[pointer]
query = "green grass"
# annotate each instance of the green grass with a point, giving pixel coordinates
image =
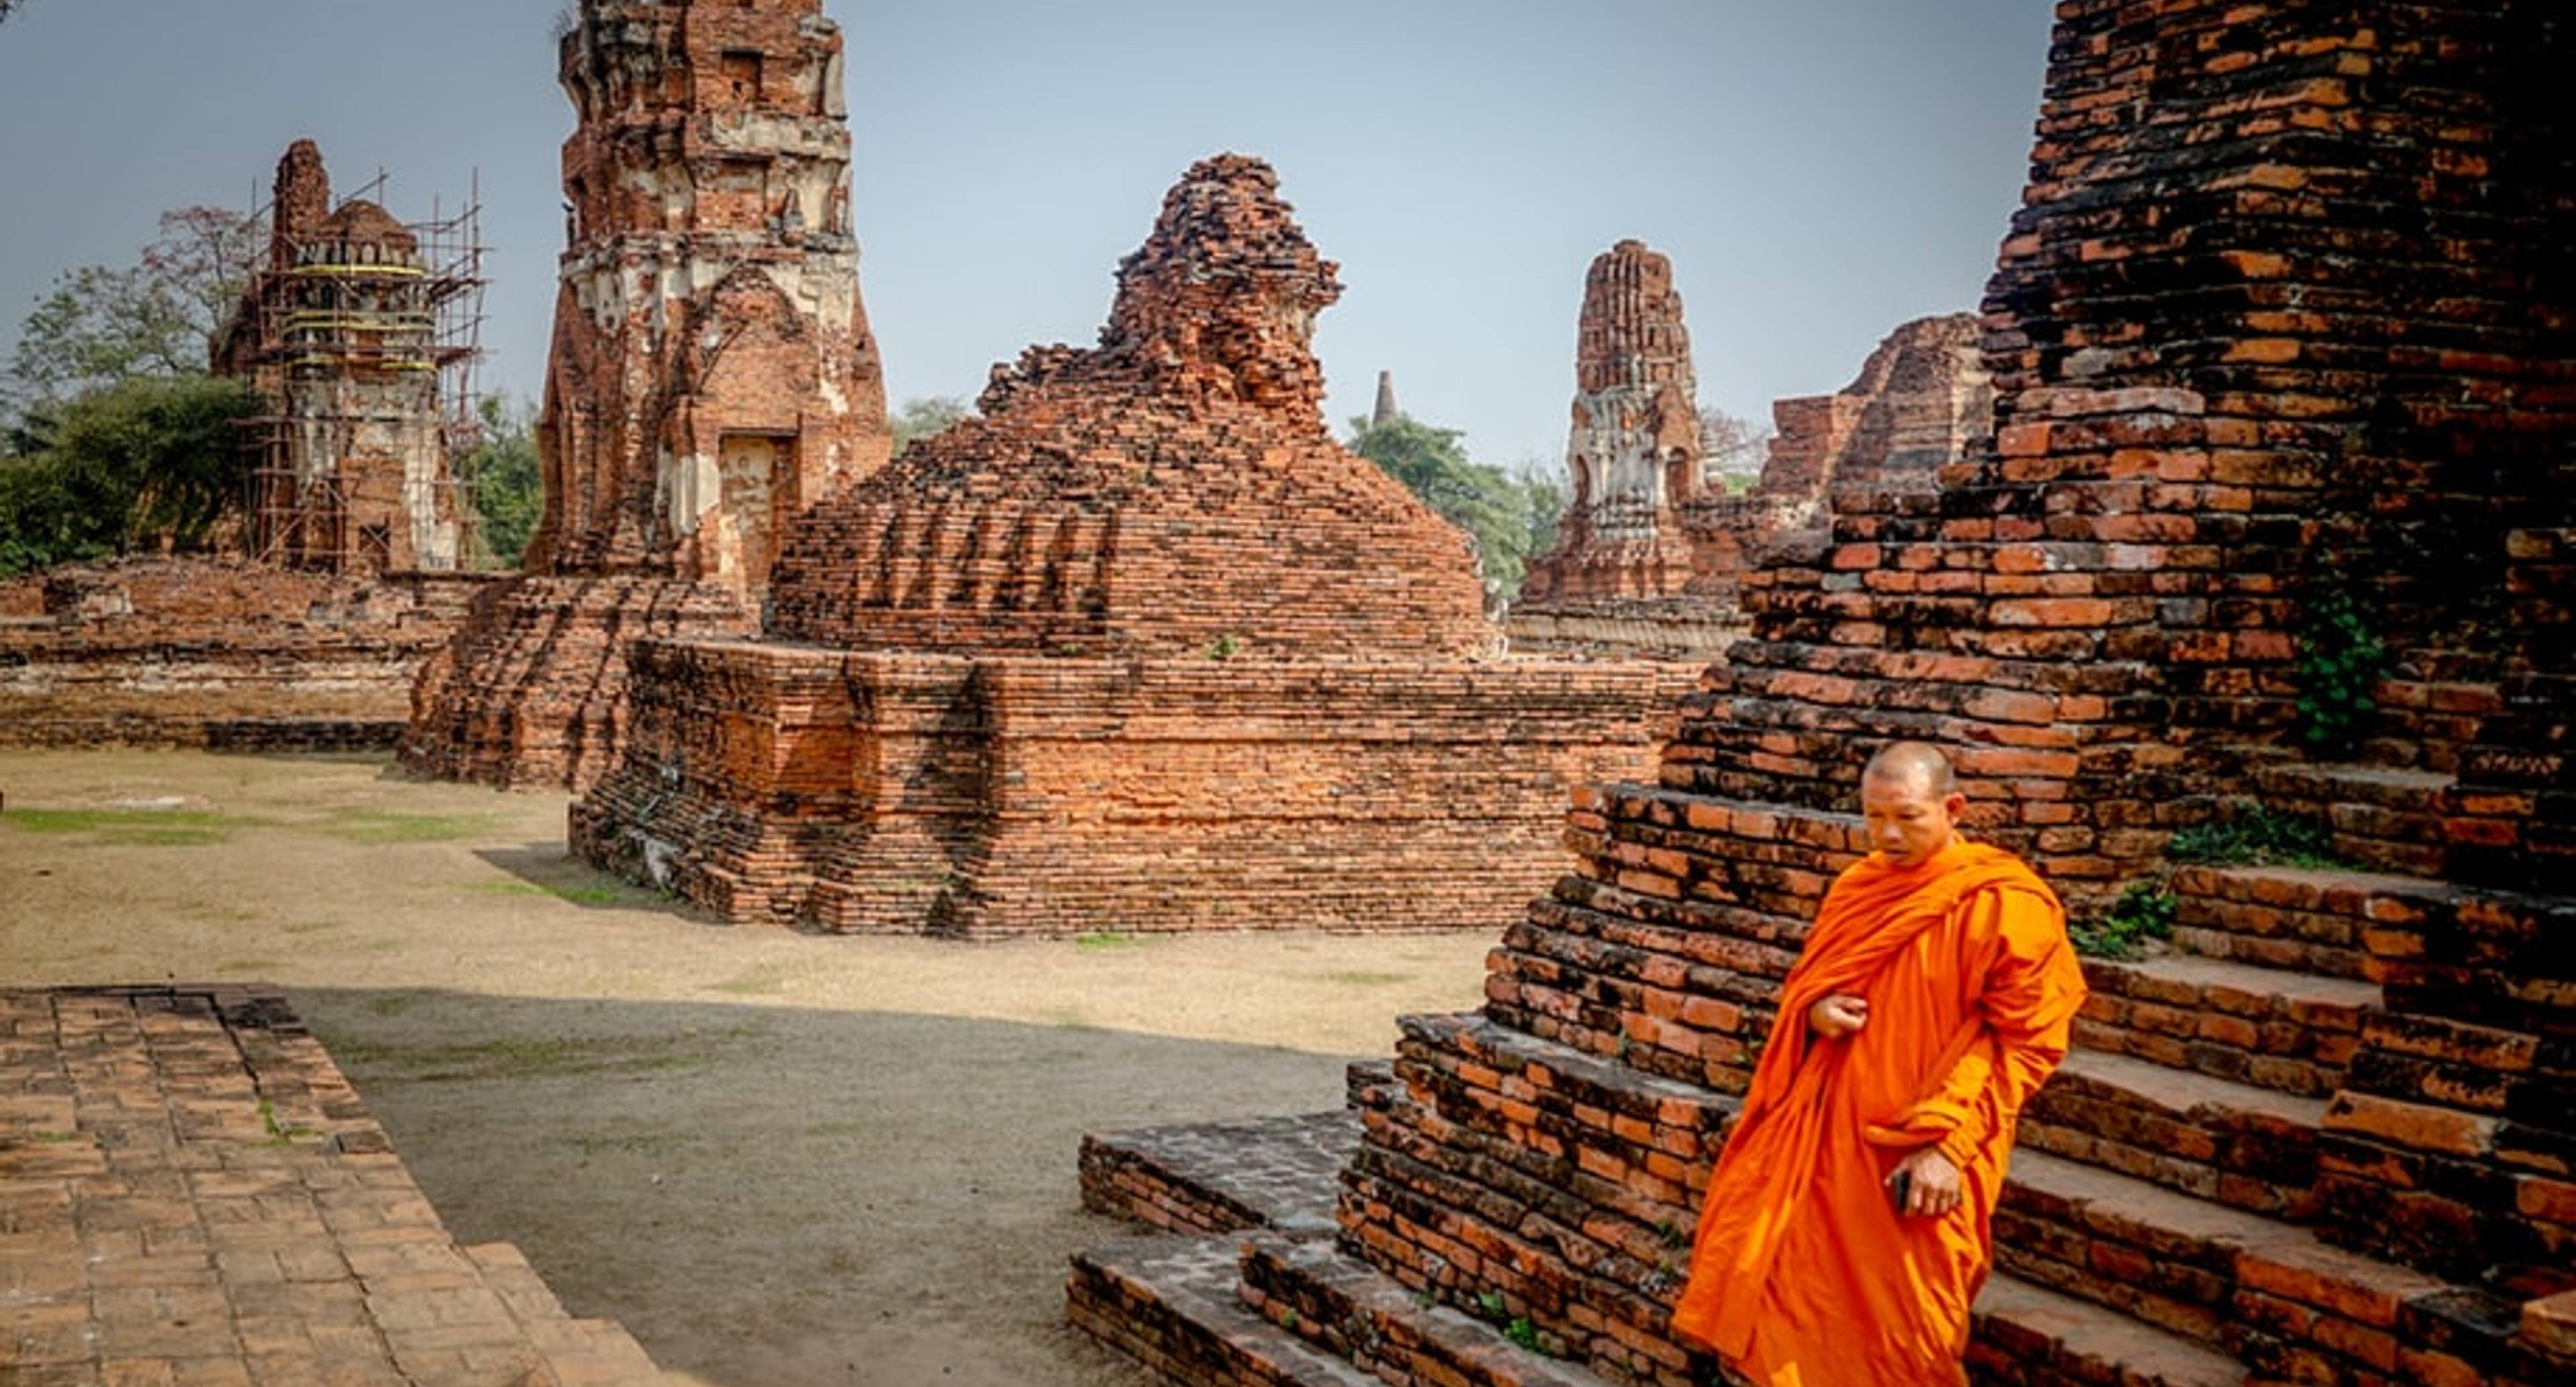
(762, 980)
(376, 826)
(1361, 977)
(135, 828)
(1098, 941)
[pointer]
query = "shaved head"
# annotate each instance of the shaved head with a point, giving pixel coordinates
(1912, 761)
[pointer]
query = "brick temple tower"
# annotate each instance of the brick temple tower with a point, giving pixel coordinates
(712, 370)
(1634, 450)
(712, 374)
(358, 330)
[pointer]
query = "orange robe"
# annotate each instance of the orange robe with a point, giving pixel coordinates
(1802, 1273)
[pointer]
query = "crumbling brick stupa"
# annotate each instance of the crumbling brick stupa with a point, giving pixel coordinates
(1651, 548)
(345, 571)
(712, 373)
(2289, 285)
(1141, 647)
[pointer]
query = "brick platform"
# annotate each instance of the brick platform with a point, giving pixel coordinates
(221, 653)
(191, 1193)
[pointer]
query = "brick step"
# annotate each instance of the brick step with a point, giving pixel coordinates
(2288, 1031)
(2028, 1336)
(2427, 721)
(1171, 1304)
(2271, 1293)
(1220, 1177)
(1355, 1312)
(1600, 970)
(2433, 946)
(1564, 1184)
(2395, 819)
(2024, 1335)
(2246, 1147)
(1667, 845)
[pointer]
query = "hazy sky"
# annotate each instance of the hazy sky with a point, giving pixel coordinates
(1819, 170)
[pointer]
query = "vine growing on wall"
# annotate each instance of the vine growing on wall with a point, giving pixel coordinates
(2341, 658)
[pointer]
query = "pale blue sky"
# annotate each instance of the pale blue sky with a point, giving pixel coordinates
(1819, 170)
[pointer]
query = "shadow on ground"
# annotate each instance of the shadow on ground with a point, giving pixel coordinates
(771, 1196)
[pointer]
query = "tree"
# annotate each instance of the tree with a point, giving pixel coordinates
(1733, 448)
(101, 324)
(502, 471)
(153, 462)
(925, 416)
(1501, 513)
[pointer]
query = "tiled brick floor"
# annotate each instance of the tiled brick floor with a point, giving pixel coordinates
(191, 1195)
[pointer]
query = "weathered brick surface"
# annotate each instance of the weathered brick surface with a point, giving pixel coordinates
(712, 371)
(192, 1193)
(217, 652)
(712, 374)
(2287, 284)
(1221, 1177)
(1141, 648)
(887, 791)
(532, 687)
(1173, 491)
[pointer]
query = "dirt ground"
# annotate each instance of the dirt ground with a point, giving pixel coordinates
(780, 1160)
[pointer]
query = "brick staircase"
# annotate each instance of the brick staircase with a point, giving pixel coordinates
(192, 1192)
(2299, 1148)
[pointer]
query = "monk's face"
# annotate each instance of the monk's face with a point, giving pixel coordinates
(1907, 820)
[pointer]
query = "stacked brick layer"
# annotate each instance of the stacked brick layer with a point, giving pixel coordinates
(532, 688)
(2286, 273)
(215, 652)
(192, 1193)
(866, 791)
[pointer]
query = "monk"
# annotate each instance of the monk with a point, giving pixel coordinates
(1846, 1229)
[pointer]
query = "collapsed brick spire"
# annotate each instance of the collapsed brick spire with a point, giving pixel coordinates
(1172, 489)
(1218, 303)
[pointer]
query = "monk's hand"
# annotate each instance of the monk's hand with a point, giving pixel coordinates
(1930, 1182)
(1838, 1015)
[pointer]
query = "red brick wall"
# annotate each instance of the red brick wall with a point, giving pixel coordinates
(185, 652)
(986, 795)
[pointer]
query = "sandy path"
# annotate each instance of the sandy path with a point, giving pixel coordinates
(779, 1159)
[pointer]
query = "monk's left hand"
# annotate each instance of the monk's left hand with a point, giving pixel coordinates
(1932, 1183)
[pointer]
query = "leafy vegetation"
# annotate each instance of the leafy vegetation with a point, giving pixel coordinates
(503, 473)
(2253, 836)
(2340, 661)
(1511, 519)
(926, 416)
(2144, 911)
(153, 462)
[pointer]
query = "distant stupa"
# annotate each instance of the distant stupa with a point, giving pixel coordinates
(1386, 410)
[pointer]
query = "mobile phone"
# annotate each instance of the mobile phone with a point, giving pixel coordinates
(1899, 1186)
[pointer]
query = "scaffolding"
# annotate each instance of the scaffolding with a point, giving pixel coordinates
(363, 335)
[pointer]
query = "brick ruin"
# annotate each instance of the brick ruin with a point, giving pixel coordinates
(348, 570)
(347, 330)
(1635, 447)
(224, 653)
(711, 375)
(1139, 647)
(1650, 553)
(2289, 285)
